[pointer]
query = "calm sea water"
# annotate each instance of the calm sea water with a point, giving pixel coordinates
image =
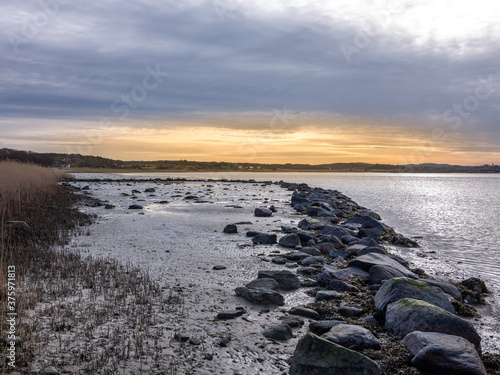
(457, 216)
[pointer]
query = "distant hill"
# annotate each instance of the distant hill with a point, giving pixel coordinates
(76, 161)
(58, 160)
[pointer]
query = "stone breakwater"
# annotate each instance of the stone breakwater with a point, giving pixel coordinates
(372, 314)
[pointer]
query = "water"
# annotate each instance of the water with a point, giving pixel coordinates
(455, 215)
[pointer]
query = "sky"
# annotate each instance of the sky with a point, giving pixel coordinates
(389, 81)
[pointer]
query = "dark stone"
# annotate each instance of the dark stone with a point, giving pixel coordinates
(370, 213)
(352, 337)
(317, 356)
(323, 326)
(408, 315)
(290, 240)
(352, 273)
(312, 260)
(231, 314)
(219, 267)
(263, 212)
(300, 200)
(324, 295)
(150, 190)
(225, 340)
(299, 255)
(307, 270)
(265, 239)
(369, 250)
(404, 287)
(109, 207)
(135, 207)
(264, 283)
(281, 332)
(311, 251)
(272, 209)
(348, 239)
(331, 240)
(286, 279)
(381, 272)
(261, 296)
(350, 311)
(448, 288)
(365, 262)
(355, 249)
(253, 233)
(339, 253)
(304, 311)
(278, 260)
(230, 229)
(331, 230)
(443, 354)
(369, 242)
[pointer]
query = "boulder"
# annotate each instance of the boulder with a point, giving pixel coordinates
(292, 321)
(369, 242)
(448, 288)
(135, 207)
(348, 239)
(365, 262)
(311, 251)
(370, 213)
(312, 260)
(304, 311)
(311, 223)
(264, 284)
(408, 315)
(355, 249)
(286, 279)
(261, 296)
(150, 190)
(265, 239)
(298, 255)
(404, 287)
(280, 332)
(314, 355)
(352, 337)
(296, 199)
(332, 240)
(439, 353)
(369, 250)
(324, 295)
(380, 273)
(339, 253)
(333, 230)
(290, 240)
(352, 273)
(230, 229)
(323, 326)
(263, 212)
(349, 311)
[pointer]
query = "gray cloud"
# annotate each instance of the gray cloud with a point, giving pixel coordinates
(90, 54)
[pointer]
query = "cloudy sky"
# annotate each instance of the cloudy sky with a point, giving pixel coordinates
(396, 81)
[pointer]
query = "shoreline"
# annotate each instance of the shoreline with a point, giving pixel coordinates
(193, 344)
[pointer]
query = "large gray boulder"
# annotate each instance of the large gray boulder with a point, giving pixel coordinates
(404, 287)
(439, 353)
(448, 288)
(286, 279)
(317, 356)
(380, 273)
(365, 262)
(290, 240)
(352, 337)
(408, 315)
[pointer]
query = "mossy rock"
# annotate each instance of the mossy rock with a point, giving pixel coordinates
(316, 356)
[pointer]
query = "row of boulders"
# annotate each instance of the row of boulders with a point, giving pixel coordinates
(340, 246)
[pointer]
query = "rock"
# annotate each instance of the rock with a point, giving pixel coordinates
(150, 190)
(448, 288)
(438, 353)
(87, 187)
(475, 284)
(263, 212)
(290, 240)
(352, 273)
(400, 260)
(278, 260)
(49, 370)
(368, 242)
(314, 355)
(325, 295)
(286, 279)
(369, 250)
(408, 315)
(253, 233)
(334, 284)
(311, 243)
(311, 224)
(311, 251)
(404, 287)
(370, 213)
(323, 326)
(312, 260)
(225, 340)
(300, 200)
(350, 240)
(365, 262)
(355, 249)
(339, 253)
(299, 255)
(264, 283)
(230, 229)
(265, 239)
(261, 296)
(306, 236)
(231, 314)
(135, 207)
(307, 270)
(304, 311)
(281, 332)
(349, 311)
(219, 267)
(333, 230)
(292, 321)
(272, 209)
(380, 273)
(352, 337)
(194, 341)
(109, 207)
